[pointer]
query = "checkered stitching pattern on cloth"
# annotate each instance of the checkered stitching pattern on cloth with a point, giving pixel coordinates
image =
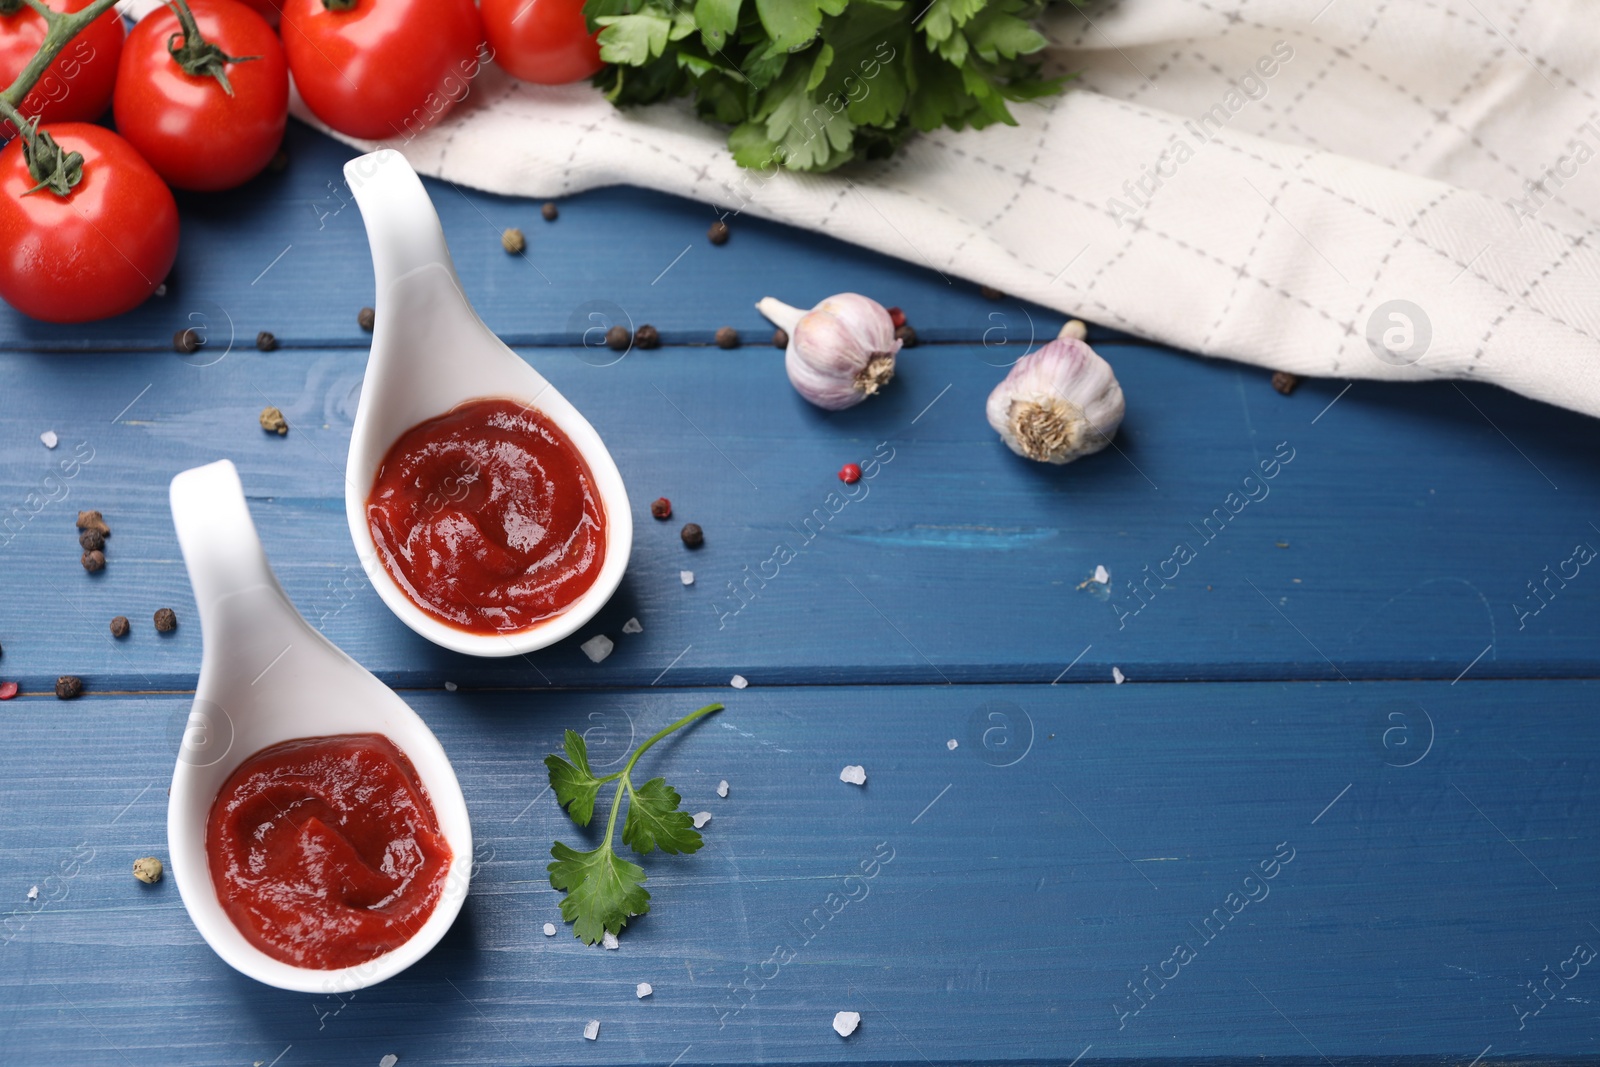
(1391, 189)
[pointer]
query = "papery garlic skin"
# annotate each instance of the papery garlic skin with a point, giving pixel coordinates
(840, 352)
(1058, 403)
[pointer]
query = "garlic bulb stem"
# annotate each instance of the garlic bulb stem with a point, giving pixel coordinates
(778, 313)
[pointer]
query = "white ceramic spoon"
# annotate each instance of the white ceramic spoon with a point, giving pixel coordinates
(266, 676)
(430, 353)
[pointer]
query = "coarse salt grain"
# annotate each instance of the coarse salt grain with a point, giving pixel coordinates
(610, 941)
(1117, 676)
(50, 439)
(686, 577)
(597, 647)
(643, 989)
(632, 626)
(845, 1023)
(449, 687)
(549, 929)
(701, 818)
(33, 894)
(738, 681)
(1102, 575)
(722, 788)
(591, 1029)
(389, 1061)
(854, 774)
(952, 744)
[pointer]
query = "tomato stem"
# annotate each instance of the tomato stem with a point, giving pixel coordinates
(338, 5)
(63, 28)
(196, 56)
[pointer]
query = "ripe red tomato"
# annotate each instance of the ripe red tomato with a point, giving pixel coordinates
(96, 252)
(542, 41)
(192, 132)
(381, 68)
(267, 9)
(77, 85)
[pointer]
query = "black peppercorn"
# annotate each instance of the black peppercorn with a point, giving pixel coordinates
(120, 626)
(266, 342)
(69, 686)
(906, 336)
(92, 540)
(365, 318)
(188, 341)
(661, 508)
(718, 233)
(94, 561)
(279, 162)
(780, 339)
(727, 337)
(549, 211)
(692, 535)
(166, 620)
(618, 338)
(1284, 382)
(93, 520)
(647, 336)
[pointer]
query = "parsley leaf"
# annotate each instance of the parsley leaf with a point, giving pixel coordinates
(574, 783)
(812, 85)
(604, 890)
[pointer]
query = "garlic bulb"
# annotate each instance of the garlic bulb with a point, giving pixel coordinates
(1058, 403)
(840, 352)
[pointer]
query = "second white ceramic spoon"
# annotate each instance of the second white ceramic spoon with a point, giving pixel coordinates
(266, 677)
(431, 353)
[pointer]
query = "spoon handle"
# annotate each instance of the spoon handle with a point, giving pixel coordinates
(402, 226)
(228, 568)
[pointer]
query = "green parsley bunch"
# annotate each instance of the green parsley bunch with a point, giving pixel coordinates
(813, 84)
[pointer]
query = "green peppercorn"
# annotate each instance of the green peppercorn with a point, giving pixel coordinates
(513, 241)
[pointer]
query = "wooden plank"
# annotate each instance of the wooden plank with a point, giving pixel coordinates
(1399, 541)
(287, 253)
(1032, 880)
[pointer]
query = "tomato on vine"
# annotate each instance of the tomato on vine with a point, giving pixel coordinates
(543, 41)
(77, 83)
(206, 103)
(381, 68)
(87, 228)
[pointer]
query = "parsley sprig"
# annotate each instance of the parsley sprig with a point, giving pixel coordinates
(604, 890)
(812, 84)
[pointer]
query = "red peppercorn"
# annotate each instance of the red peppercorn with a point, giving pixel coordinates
(850, 473)
(661, 508)
(897, 317)
(8, 690)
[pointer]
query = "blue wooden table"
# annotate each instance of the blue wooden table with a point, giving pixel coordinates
(1343, 808)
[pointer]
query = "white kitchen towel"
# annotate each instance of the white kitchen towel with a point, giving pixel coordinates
(1375, 189)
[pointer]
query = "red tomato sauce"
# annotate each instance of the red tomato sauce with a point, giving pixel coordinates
(326, 851)
(488, 517)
